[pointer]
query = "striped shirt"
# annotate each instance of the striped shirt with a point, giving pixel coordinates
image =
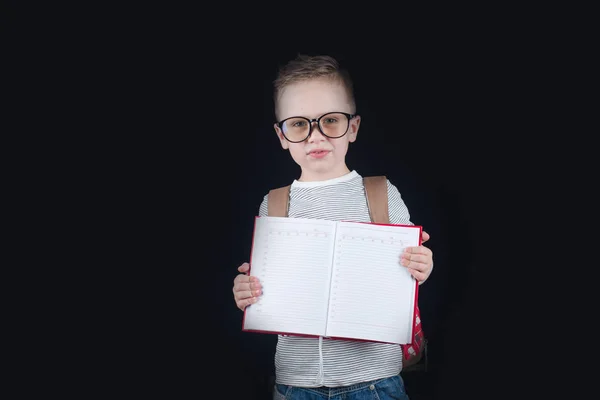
(313, 362)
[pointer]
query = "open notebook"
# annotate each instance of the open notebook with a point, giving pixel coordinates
(333, 279)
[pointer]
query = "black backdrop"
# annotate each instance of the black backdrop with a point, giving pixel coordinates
(172, 149)
(190, 153)
(204, 154)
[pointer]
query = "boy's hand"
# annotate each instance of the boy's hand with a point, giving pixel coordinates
(418, 260)
(245, 288)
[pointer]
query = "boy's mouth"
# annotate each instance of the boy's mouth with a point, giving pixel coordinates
(318, 153)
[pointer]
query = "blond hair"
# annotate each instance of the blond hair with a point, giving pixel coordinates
(305, 68)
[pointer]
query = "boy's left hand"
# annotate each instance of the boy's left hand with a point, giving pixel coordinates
(418, 260)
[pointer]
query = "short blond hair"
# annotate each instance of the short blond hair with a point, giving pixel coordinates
(305, 68)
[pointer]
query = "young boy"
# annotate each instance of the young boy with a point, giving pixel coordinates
(317, 120)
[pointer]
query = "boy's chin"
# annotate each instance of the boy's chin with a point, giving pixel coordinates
(318, 167)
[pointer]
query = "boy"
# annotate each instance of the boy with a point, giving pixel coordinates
(317, 120)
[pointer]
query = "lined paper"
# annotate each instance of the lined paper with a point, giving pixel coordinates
(292, 259)
(372, 294)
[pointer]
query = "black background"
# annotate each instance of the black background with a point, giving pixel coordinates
(173, 141)
(204, 154)
(435, 122)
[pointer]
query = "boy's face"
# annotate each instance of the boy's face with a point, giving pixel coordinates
(319, 157)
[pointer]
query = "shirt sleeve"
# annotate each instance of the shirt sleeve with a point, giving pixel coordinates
(263, 210)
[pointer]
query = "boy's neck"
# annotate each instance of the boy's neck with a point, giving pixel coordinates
(316, 177)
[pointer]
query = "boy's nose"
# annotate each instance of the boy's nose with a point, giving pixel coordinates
(316, 134)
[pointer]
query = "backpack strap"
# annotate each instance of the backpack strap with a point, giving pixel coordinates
(278, 201)
(377, 198)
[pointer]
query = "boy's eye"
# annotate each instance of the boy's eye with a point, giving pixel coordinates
(299, 124)
(330, 120)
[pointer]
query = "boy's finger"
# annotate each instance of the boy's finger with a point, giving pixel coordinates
(415, 266)
(241, 279)
(420, 276)
(416, 250)
(244, 267)
(424, 237)
(254, 286)
(412, 250)
(247, 302)
(421, 258)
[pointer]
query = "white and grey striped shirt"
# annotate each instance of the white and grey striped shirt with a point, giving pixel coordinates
(313, 362)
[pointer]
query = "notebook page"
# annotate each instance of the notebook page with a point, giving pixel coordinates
(372, 294)
(292, 259)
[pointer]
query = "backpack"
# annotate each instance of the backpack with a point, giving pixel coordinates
(377, 202)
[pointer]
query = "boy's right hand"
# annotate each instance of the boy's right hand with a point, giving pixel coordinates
(246, 288)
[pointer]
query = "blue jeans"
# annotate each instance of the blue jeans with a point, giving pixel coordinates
(381, 389)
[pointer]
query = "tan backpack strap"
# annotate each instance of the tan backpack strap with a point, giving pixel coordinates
(278, 201)
(377, 198)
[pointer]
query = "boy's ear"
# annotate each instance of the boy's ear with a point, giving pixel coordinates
(284, 142)
(353, 130)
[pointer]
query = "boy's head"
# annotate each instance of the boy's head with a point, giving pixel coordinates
(316, 115)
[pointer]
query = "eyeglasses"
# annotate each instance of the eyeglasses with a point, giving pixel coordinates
(333, 125)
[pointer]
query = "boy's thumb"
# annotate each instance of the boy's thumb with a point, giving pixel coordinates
(424, 237)
(243, 267)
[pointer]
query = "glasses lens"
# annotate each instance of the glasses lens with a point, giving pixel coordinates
(334, 124)
(296, 129)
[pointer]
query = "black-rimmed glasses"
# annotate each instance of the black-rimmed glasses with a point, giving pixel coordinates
(333, 125)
